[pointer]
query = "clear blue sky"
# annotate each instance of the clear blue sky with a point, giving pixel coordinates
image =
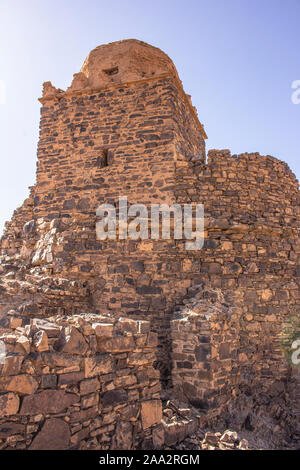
(237, 58)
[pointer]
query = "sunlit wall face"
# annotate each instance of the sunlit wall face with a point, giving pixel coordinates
(238, 60)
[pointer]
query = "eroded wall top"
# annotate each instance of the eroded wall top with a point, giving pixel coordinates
(119, 62)
(125, 61)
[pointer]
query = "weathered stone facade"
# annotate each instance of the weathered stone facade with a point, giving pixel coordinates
(125, 127)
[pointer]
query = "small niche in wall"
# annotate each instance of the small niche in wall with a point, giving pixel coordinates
(111, 71)
(105, 159)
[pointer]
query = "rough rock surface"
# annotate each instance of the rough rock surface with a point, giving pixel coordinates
(79, 397)
(54, 435)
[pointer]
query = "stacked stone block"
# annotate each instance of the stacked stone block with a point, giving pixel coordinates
(205, 350)
(85, 382)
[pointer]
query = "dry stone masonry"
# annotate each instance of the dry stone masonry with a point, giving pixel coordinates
(125, 127)
(85, 381)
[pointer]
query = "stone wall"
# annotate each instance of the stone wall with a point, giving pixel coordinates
(85, 382)
(205, 345)
(207, 372)
(252, 249)
(251, 256)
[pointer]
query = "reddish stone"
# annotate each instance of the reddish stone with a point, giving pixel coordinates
(54, 435)
(9, 404)
(48, 401)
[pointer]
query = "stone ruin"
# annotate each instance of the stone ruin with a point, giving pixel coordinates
(98, 334)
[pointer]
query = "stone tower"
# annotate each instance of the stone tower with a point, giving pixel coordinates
(125, 127)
